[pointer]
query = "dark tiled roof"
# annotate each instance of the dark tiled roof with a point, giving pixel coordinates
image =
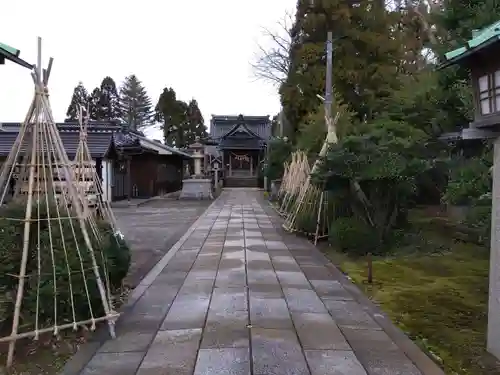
(243, 144)
(100, 137)
(125, 139)
(99, 142)
(260, 125)
(137, 139)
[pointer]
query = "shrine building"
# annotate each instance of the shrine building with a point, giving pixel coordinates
(236, 146)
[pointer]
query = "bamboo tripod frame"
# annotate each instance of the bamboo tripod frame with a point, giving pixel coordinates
(87, 180)
(39, 156)
(313, 200)
(296, 174)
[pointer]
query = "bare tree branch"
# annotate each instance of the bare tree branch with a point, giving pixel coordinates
(272, 60)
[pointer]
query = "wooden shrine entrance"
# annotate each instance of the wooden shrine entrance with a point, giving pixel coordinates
(241, 167)
(241, 164)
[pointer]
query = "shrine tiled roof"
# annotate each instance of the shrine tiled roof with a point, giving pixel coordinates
(12, 54)
(221, 125)
(480, 39)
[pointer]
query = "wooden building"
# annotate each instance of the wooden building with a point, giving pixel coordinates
(129, 164)
(240, 143)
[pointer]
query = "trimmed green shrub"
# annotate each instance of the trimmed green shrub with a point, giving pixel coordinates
(479, 218)
(66, 276)
(279, 152)
(353, 236)
(468, 181)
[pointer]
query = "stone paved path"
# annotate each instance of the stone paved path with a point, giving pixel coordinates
(239, 297)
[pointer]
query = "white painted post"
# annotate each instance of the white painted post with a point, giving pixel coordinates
(105, 180)
(493, 339)
(216, 170)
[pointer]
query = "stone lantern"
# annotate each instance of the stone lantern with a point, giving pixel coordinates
(197, 186)
(198, 156)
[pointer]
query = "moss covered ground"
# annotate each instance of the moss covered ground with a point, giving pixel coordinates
(436, 290)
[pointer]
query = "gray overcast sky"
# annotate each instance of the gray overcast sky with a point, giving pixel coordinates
(200, 48)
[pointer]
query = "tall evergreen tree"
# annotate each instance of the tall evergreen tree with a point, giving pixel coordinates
(195, 122)
(366, 56)
(80, 98)
(168, 111)
(182, 122)
(109, 101)
(135, 104)
(94, 108)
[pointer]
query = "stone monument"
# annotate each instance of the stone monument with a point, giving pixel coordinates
(197, 186)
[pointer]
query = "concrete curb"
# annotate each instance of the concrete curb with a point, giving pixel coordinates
(76, 364)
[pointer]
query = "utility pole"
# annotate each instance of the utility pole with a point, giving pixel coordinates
(328, 84)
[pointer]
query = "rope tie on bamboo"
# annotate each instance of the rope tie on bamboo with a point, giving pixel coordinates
(83, 135)
(92, 326)
(56, 330)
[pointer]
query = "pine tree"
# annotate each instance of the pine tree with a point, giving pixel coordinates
(182, 122)
(94, 109)
(195, 123)
(108, 106)
(80, 98)
(167, 111)
(135, 104)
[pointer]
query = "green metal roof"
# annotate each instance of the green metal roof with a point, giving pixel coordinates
(480, 39)
(10, 49)
(12, 54)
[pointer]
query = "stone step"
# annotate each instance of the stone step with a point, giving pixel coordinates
(241, 182)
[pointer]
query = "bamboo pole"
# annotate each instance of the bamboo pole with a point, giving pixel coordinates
(24, 257)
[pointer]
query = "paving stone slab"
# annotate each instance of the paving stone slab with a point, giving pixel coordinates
(231, 278)
(130, 341)
(230, 264)
(260, 265)
(187, 311)
(304, 300)
(331, 289)
(334, 362)
(316, 272)
(319, 331)
(172, 352)
(229, 299)
(226, 330)
(267, 277)
(350, 314)
(223, 362)
(277, 352)
(291, 279)
(269, 312)
(256, 254)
